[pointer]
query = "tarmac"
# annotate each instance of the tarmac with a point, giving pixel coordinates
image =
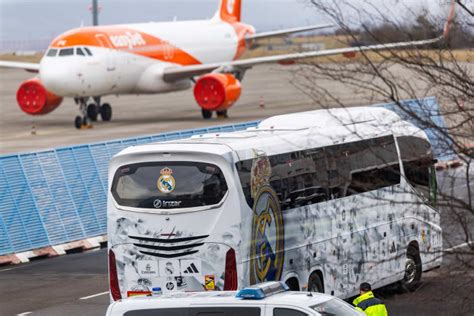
(266, 91)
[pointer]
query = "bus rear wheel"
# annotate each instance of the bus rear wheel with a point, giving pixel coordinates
(412, 277)
(315, 284)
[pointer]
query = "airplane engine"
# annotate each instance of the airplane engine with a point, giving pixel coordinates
(34, 99)
(217, 92)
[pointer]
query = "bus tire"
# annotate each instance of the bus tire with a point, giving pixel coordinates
(315, 283)
(413, 270)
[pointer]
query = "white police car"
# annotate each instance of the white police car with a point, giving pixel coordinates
(265, 299)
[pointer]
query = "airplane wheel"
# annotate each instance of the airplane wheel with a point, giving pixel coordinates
(78, 122)
(92, 111)
(206, 114)
(222, 114)
(106, 112)
(85, 122)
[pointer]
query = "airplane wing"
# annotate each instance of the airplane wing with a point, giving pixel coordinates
(172, 74)
(176, 73)
(32, 67)
(287, 31)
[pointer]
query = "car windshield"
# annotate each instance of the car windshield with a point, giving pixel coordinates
(335, 307)
(167, 185)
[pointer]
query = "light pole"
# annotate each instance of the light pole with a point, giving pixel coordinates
(95, 12)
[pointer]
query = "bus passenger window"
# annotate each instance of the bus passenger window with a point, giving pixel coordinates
(168, 185)
(418, 164)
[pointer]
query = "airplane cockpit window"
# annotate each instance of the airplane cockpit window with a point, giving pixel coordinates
(52, 52)
(80, 52)
(88, 51)
(66, 52)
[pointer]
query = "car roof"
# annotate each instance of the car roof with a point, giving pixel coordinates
(218, 298)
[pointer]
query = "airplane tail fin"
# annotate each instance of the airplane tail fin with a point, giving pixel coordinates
(229, 10)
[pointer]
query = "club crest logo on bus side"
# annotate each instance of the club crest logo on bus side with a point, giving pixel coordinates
(166, 182)
(267, 245)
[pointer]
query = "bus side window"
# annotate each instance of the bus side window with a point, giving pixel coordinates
(374, 165)
(339, 170)
(418, 163)
(244, 169)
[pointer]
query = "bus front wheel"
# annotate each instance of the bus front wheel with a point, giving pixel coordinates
(315, 284)
(412, 277)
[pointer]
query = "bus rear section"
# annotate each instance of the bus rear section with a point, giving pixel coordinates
(167, 227)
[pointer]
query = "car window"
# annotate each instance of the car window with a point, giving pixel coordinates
(225, 311)
(159, 312)
(287, 312)
(335, 307)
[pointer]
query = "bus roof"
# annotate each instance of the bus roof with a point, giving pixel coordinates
(293, 132)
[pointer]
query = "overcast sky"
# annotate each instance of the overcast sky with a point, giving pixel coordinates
(44, 19)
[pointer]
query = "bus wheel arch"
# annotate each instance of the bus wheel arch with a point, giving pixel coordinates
(293, 283)
(316, 282)
(413, 268)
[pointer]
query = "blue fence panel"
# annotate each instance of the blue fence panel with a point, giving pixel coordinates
(73, 174)
(5, 244)
(21, 216)
(43, 199)
(62, 198)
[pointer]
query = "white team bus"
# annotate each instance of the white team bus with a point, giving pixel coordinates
(322, 200)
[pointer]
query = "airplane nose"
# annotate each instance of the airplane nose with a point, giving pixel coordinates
(59, 78)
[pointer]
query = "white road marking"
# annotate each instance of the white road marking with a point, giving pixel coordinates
(25, 313)
(94, 295)
(458, 246)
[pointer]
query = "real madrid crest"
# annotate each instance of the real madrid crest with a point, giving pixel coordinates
(166, 182)
(267, 245)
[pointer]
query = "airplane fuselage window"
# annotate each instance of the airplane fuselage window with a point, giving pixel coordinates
(80, 52)
(66, 52)
(52, 52)
(88, 51)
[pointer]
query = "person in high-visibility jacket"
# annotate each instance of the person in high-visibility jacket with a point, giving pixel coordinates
(368, 303)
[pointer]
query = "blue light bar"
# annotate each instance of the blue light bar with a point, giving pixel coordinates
(250, 293)
(262, 290)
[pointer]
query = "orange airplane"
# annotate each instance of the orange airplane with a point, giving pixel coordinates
(88, 63)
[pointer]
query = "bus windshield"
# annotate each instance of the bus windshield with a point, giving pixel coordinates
(168, 185)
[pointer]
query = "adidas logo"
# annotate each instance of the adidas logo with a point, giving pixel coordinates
(191, 269)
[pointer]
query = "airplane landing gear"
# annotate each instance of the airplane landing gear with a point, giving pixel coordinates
(206, 114)
(222, 114)
(90, 112)
(106, 112)
(82, 121)
(93, 111)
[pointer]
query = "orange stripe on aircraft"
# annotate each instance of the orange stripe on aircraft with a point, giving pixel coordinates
(127, 40)
(242, 30)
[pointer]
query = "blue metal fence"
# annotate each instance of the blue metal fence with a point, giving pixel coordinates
(57, 196)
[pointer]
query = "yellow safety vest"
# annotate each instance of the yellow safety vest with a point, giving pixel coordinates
(370, 305)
